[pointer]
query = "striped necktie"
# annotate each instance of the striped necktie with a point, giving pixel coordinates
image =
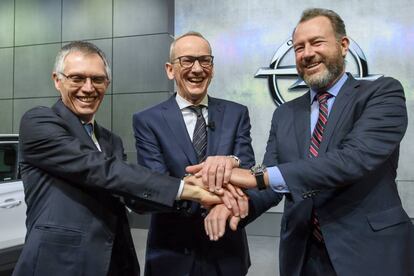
(200, 133)
(315, 143)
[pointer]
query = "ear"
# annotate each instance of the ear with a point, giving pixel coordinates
(169, 69)
(344, 45)
(56, 80)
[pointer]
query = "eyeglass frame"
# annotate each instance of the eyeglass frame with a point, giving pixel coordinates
(82, 80)
(194, 60)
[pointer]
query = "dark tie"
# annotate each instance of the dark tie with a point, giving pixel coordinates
(315, 143)
(200, 133)
(89, 128)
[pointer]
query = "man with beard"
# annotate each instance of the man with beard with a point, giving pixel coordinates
(334, 153)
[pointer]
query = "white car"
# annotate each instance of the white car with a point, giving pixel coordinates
(12, 204)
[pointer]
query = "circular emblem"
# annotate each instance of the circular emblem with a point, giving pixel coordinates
(284, 82)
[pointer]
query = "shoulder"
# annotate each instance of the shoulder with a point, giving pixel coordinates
(228, 104)
(39, 114)
(151, 112)
(107, 133)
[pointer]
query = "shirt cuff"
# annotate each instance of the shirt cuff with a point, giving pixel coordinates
(276, 181)
(180, 190)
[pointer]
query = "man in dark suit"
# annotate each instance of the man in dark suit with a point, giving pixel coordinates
(166, 137)
(75, 175)
(334, 156)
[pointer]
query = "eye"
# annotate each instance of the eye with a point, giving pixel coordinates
(77, 79)
(98, 80)
(298, 49)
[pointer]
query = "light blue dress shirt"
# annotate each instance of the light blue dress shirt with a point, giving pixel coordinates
(276, 180)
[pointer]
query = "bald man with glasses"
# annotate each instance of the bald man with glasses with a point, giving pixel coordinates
(185, 130)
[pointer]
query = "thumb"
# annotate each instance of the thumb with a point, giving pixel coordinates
(194, 168)
(234, 222)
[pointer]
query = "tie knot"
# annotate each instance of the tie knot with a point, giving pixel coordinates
(197, 109)
(323, 97)
(89, 128)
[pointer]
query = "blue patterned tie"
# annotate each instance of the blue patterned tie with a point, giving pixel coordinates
(89, 128)
(200, 133)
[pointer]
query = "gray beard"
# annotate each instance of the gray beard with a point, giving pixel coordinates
(321, 81)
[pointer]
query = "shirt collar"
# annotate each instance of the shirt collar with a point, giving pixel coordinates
(333, 90)
(183, 103)
(90, 122)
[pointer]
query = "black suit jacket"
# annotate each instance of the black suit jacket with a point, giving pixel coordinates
(351, 185)
(176, 240)
(75, 220)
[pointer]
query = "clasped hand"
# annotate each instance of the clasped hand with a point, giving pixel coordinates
(220, 175)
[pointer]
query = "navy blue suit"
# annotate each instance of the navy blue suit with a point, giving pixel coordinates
(75, 226)
(351, 185)
(177, 240)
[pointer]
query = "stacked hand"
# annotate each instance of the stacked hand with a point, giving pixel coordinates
(220, 175)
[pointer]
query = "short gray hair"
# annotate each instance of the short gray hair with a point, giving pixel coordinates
(190, 33)
(337, 23)
(83, 47)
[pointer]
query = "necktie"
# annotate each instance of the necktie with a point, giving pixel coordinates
(89, 128)
(200, 133)
(315, 143)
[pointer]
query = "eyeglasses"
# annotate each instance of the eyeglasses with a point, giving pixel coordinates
(188, 61)
(79, 80)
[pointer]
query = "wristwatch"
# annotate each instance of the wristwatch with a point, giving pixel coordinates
(258, 172)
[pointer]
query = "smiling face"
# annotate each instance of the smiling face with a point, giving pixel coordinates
(319, 55)
(82, 99)
(192, 83)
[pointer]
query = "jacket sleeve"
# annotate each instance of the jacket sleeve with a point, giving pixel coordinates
(47, 144)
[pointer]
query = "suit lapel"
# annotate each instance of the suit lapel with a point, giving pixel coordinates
(174, 119)
(73, 123)
(302, 123)
(338, 108)
(215, 116)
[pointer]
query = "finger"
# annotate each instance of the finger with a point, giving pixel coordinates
(219, 176)
(226, 200)
(228, 170)
(232, 190)
(194, 168)
(244, 206)
(208, 226)
(212, 170)
(240, 191)
(233, 202)
(234, 222)
(221, 224)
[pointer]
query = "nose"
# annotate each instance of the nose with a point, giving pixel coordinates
(197, 67)
(88, 86)
(308, 51)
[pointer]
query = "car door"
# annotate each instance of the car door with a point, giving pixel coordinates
(12, 205)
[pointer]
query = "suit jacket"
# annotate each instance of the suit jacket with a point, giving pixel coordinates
(351, 185)
(176, 240)
(75, 222)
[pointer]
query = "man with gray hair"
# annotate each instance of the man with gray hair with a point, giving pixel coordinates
(75, 176)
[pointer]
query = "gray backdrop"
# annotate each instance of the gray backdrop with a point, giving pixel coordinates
(246, 34)
(135, 35)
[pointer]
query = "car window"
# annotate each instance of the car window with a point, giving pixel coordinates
(8, 162)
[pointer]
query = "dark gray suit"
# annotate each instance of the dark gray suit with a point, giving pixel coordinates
(176, 241)
(75, 226)
(351, 184)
